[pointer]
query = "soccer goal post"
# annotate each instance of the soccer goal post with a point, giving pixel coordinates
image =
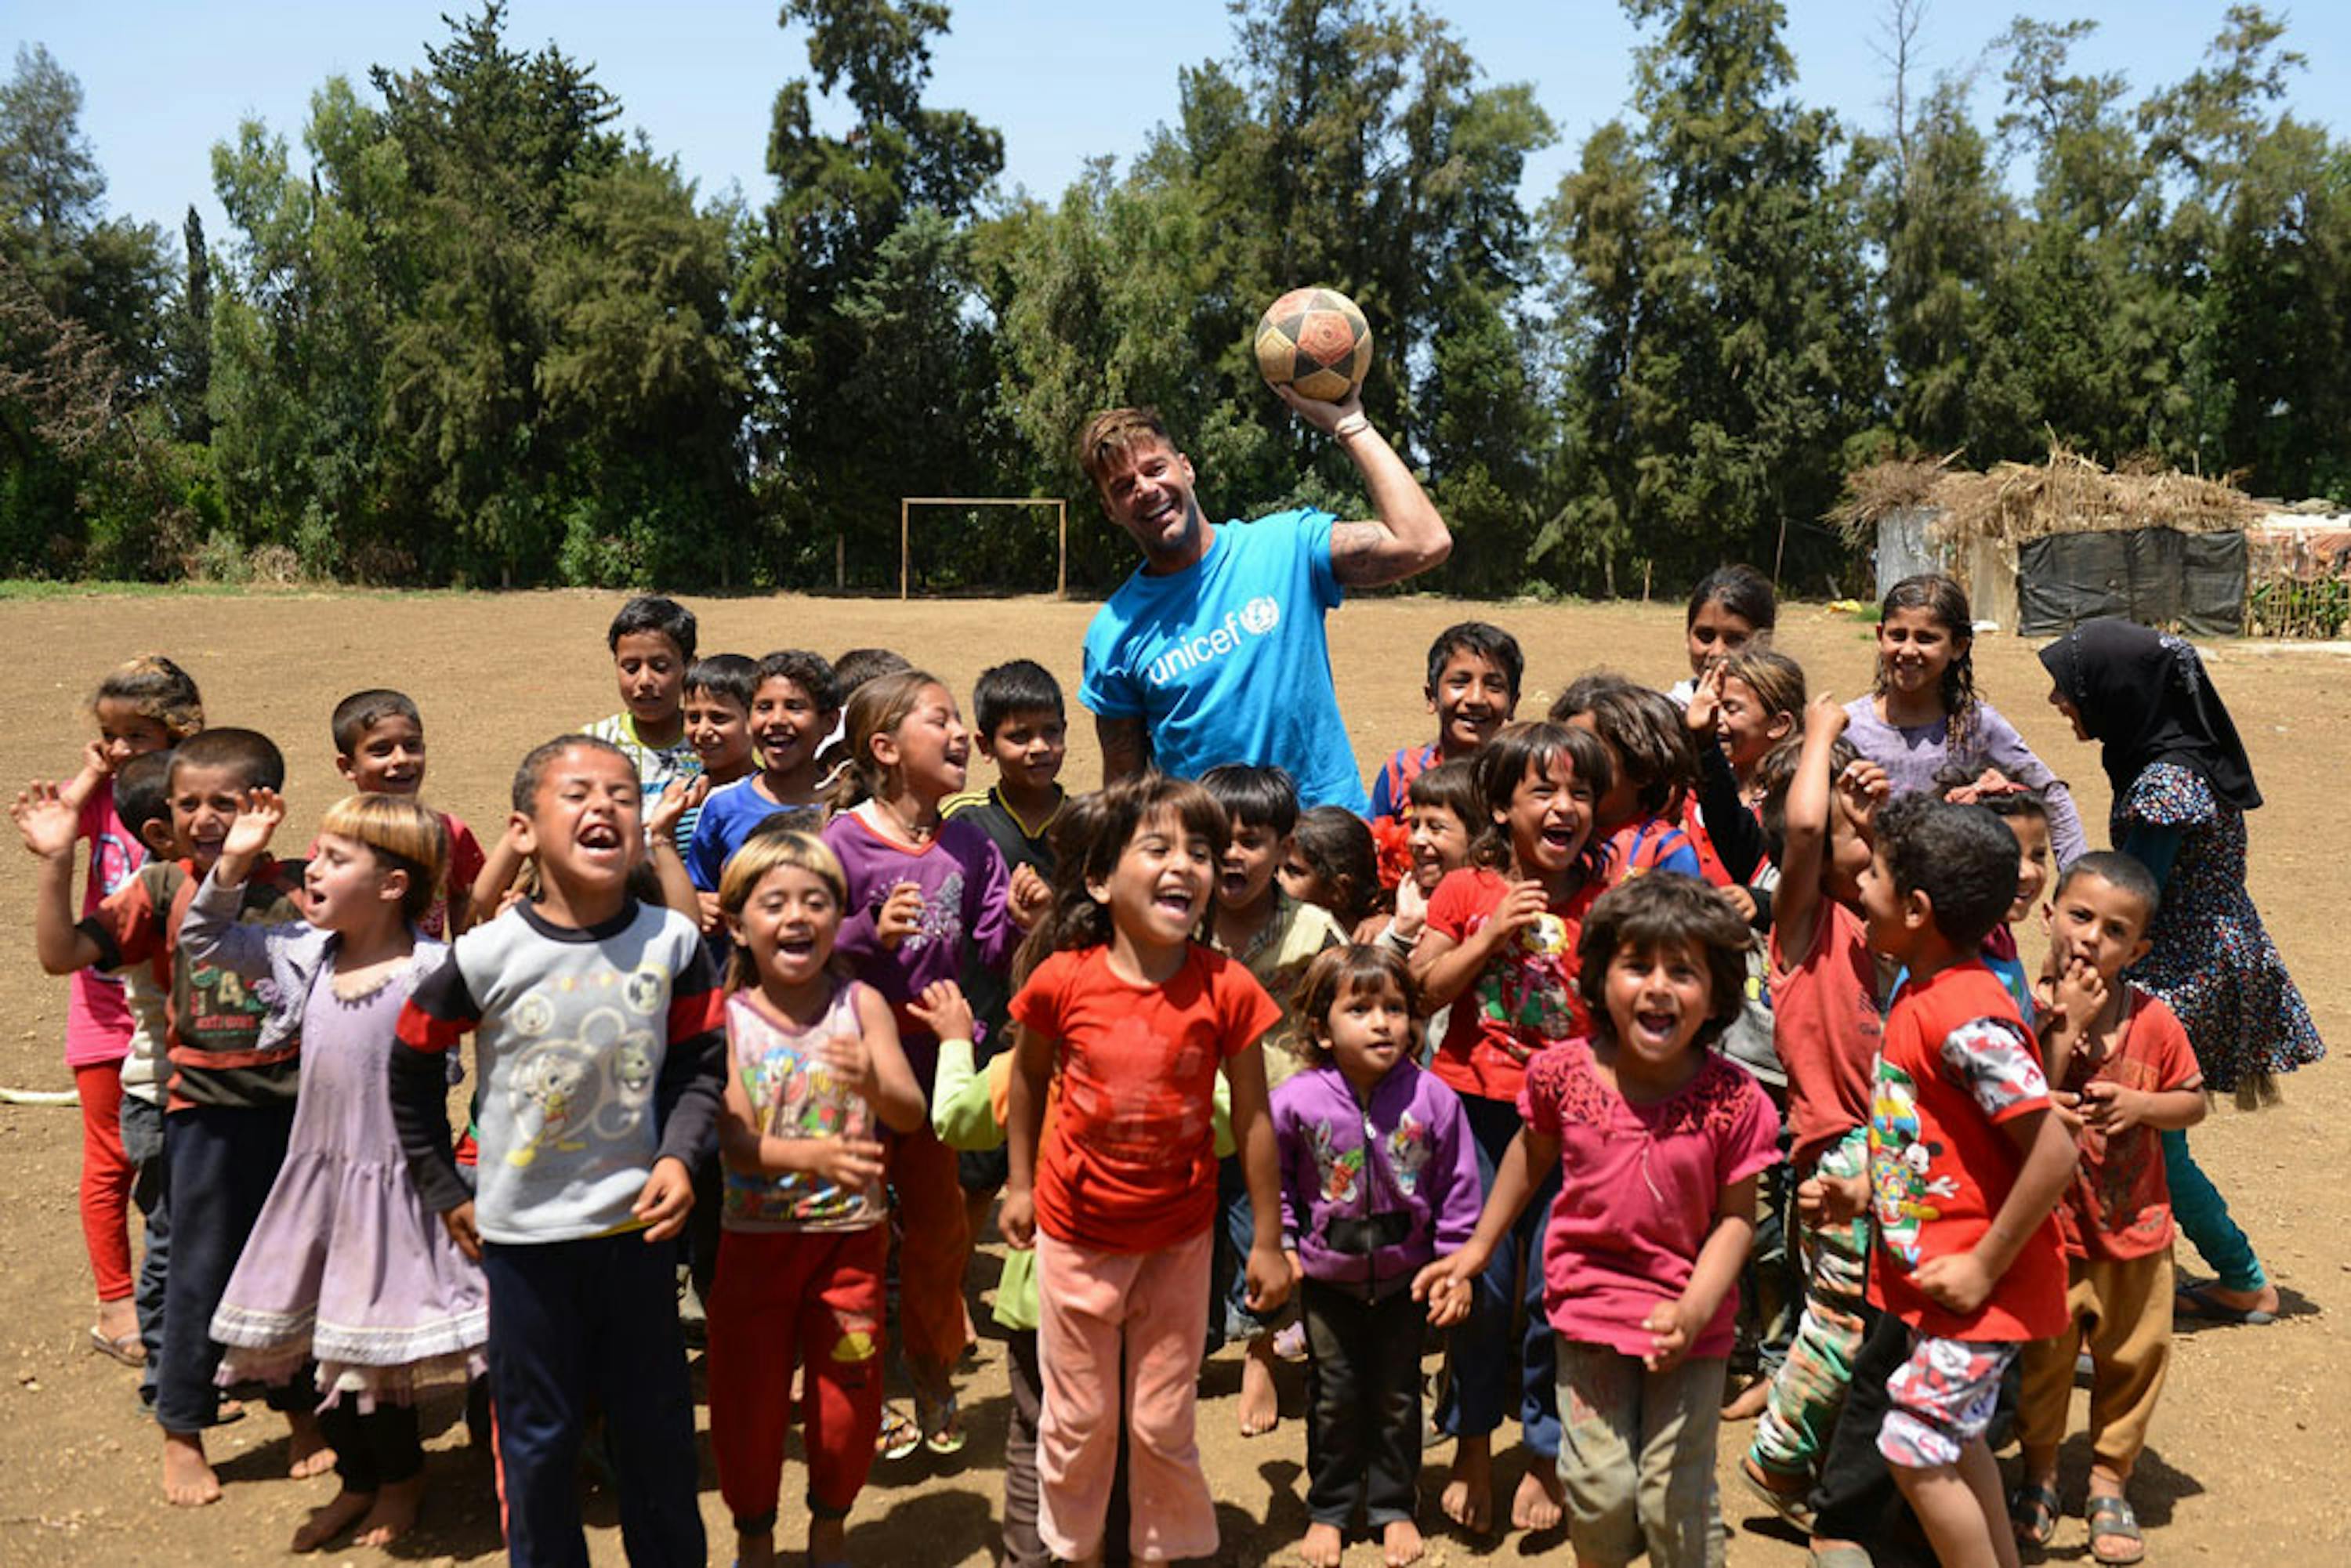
(906, 505)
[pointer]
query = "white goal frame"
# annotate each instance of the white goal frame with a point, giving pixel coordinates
(906, 505)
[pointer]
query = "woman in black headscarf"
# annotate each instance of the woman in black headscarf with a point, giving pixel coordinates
(2182, 785)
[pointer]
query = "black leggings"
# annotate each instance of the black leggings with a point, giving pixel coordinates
(378, 1448)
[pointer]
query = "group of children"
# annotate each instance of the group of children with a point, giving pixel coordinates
(1670, 1025)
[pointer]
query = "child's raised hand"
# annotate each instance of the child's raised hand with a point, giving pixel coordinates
(1741, 899)
(1671, 1334)
(1015, 1218)
(942, 1009)
(664, 810)
(1956, 1281)
(1523, 903)
(709, 915)
(665, 1200)
(1704, 713)
(1864, 786)
(900, 917)
(1030, 895)
(1267, 1273)
(97, 761)
(1411, 907)
(258, 813)
(48, 823)
(459, 1222)
(1825, 715)
(2081, 993)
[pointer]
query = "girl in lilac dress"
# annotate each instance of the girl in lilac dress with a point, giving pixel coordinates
(348, 1276)
(1924, 715)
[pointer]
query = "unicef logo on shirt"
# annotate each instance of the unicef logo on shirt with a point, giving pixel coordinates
(1258, 617)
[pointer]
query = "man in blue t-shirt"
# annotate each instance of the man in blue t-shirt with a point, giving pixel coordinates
(1213, 652)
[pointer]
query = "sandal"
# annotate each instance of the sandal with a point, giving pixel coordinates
(941, 1423)
(2032, 1513)
(2111, 1518)
(2197, 1300)
(899, 1436)
(1792, 1504)
(126, 1348)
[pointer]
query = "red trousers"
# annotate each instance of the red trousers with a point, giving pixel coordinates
(106, 1175)
(934, 1246)
(812, 1298)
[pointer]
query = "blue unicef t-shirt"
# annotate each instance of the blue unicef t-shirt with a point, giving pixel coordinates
(1224, 661)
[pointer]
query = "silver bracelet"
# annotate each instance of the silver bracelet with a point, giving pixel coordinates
(1354, 424)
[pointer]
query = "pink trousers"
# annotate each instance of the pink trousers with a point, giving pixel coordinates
(1152, 1308)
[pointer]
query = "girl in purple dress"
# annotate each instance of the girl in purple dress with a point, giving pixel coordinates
(1925, 716)
(347, 1270)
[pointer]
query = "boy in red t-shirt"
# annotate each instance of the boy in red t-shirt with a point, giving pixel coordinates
(1965, 1166)
(2127, 1076)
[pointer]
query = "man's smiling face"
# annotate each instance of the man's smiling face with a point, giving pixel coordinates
(1147, 491)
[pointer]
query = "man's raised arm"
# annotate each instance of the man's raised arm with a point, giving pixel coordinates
(1406, 535)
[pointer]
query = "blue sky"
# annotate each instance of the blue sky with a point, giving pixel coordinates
(1063, 79)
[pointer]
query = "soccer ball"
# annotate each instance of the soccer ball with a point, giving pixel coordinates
(1316, 341)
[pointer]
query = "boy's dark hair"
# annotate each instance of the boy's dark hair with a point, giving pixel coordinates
(1089, 835)
(1776, 774)
(731, 676)
(142, 792)
(1491, 644)
(1449, 787)
(1666, 909)
(1254, 796)
(859, 665)
(1739, 589)
(1502, 762)
(253, 756)
(1337, 847)
(1337, 972)
(363, 711)
(2123, 873)
(1961, 857)
(1645, 730)
(533, 767)
(1023, 685)
(651, 612)
(811, 672)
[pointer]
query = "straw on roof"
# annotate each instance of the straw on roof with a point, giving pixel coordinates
(2015, 502)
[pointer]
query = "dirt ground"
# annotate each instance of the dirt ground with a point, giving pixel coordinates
(2253, 1424)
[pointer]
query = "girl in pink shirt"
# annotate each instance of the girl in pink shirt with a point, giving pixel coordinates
(1659, 1143)
(147, 705)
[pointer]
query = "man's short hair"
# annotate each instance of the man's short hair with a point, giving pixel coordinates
(1114, 433)
(252, 755)
(1961, 857)
(731, 676)
(1254, 796)
(1023, 685)
(651, 612)
(363, 711)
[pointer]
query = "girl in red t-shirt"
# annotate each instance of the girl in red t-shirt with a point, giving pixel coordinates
(1499, 947)
(1134, 1017)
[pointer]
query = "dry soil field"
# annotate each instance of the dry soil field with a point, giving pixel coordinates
(2249, 1453)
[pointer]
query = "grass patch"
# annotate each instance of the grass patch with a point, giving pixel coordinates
(17, 589)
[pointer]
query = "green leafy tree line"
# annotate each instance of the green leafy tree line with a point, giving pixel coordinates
(487, 337)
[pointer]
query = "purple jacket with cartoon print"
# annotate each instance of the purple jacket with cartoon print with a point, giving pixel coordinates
(1370, 1195)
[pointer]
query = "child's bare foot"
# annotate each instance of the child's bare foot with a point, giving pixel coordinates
(1400, 1542)
(1468, 1496)
(338, 1514)
(1749, 1402)
(1322, 1547)
(758, 1551)
(307, 1453)
(394, 1513)
(1541, 1501)
(828, 1542)
(188, 1479)
(1260, 1400)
